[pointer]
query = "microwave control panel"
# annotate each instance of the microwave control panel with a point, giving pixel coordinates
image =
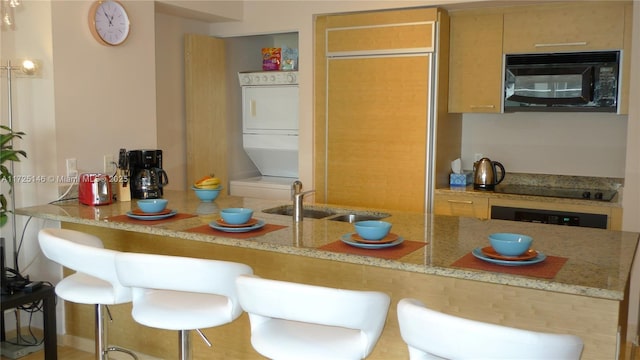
(606, 84)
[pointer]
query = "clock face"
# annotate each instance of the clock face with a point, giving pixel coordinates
(109, 22)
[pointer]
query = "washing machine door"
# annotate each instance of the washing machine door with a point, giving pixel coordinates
(270, 109)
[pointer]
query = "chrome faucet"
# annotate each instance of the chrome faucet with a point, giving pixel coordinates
(297, 195)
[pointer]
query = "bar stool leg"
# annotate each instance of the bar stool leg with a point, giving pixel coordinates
(184, 344)
(102, 348)
(100, 337)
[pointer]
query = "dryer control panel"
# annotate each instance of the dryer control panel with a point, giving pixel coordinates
(268, 78)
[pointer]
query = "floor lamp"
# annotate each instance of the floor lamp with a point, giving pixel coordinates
(27, 68)
(15, 348)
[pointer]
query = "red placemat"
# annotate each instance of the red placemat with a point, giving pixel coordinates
(127, 219)
(208, 230)
(390, 253)
(546, 269)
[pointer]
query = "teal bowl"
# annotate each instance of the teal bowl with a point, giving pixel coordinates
(207, 195)
(509, 244)
(236, 216)
(152, 205)
(372, 229)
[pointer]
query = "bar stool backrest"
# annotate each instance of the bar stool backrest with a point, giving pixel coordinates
(85, 254)
(165, 272)
(431, 334)
(267, 299)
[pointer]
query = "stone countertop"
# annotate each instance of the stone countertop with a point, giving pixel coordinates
(549, 181)
(616, 202)
(599, 261)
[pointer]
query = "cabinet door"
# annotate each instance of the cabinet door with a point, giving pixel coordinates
(570, 27)
(467, 206)
(383, 39)
(205, 105)
(377, 113)
(475, 63)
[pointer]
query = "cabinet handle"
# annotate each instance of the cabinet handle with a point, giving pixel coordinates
(483, 106)
(579, 43)
(460, 201)
(252, 108)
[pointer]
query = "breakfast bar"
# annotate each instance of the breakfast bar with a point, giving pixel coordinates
(581, 287)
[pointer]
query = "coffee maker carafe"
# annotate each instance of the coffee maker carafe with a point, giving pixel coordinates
(147, 176)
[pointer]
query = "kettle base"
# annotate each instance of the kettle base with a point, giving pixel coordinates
(484, 187)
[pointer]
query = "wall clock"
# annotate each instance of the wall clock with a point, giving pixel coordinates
(109, 22)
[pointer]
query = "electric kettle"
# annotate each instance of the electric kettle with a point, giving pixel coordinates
(485, 174)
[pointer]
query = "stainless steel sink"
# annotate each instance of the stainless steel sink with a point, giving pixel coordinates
(321, 213)
(353, 217)
(307, 212)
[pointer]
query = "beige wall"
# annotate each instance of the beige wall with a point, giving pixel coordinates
(576, 144)
(631, 199)
(105, 96)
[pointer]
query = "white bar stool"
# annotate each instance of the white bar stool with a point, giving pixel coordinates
(431, 334)
(95, 281)
(298, 321)
(181, 293)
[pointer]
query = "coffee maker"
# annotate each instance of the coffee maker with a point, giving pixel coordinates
(147, 178)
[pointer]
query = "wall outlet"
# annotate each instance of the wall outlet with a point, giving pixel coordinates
(72, 167)
(109, 165)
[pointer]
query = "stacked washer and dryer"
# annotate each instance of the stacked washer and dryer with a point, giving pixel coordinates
(269, 133)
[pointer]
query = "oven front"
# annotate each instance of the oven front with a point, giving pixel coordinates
(549, 217)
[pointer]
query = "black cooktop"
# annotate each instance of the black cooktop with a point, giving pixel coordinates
(567, 193)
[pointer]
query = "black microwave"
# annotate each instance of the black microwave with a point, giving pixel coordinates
(583, 81)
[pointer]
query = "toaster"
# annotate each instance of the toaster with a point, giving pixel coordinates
(94, 189)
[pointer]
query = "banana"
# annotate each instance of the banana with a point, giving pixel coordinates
(211, 181)
(208, 187)
(208, 182)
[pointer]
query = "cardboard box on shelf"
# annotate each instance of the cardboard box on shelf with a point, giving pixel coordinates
(271, 58)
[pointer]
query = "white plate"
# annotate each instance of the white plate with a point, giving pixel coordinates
(214, 224)
(477, 252)
(346, 238)
(151, 217)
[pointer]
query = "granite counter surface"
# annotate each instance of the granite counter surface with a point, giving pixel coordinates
(599, 261)
(547, 181)
(470, 191)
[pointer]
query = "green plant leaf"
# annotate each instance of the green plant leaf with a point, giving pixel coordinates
(8, 153)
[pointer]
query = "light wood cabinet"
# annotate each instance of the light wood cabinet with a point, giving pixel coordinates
(374, 112)
(377, 129)
(478, 205)
(480, 37)
(380, 38)
(475, 62)
(205, 106)
(565, 27)
(461, 205)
